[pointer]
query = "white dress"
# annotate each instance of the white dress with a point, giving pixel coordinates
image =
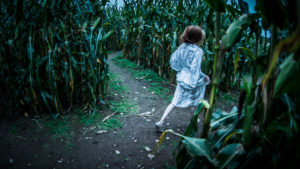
(186, 60)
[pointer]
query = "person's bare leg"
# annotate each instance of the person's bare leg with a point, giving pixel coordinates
(166, 113)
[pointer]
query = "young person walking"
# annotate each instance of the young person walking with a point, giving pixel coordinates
(191, 82)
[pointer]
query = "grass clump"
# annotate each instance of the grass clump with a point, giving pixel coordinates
(59, 127)
(123, 62)
(111, 123)
(89, 119)
(124, 106)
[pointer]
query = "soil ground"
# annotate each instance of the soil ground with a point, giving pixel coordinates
(30, 142)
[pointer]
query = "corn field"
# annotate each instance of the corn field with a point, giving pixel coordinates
(251, 46)
(54, 56)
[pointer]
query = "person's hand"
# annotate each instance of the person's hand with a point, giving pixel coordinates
(207, 79)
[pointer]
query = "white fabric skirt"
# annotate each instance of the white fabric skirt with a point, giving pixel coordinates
(188, 97)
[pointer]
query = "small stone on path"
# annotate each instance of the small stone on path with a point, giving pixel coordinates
(151, 156)
(147, 148)
(118, 152)
(101, 131)
(61, 160)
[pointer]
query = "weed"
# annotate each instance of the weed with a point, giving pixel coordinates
(123, 62)
(111, 123)
(59, 128)
(124, 106)
(89, 119)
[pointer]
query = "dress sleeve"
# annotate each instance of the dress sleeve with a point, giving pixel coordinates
(197, 76)
(175, 61)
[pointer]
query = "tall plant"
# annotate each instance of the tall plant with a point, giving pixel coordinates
(263, 131)
(53, 55)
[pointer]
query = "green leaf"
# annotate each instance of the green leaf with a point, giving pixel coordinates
(291, 108)
(228, 154)
(107, 34)
(192, 129)
(288, 101)
(248, 51)
(95, 23)
(247, 124)
(233, 32)
(247, 84)
(196, 147)
(84, 26)
(225, 118)
(289, 74)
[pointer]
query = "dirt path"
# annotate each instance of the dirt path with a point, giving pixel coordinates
(139, 132)
(26, 142)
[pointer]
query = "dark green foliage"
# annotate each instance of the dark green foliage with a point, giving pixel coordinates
(150, 29)
(52, 55)
(263, 132)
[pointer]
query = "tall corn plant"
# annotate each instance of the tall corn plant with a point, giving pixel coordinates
(150, 31)
(231, 37)
(151, 28)
(263, 131)
(53, 55)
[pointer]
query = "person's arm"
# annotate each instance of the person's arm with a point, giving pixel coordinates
(196, 67)
(175, 61)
